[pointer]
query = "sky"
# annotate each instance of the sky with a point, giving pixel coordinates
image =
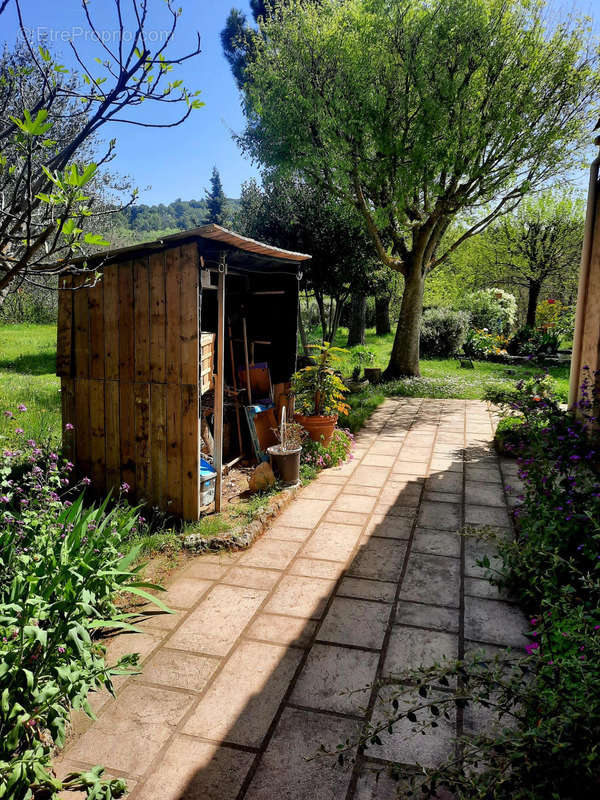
(166, 164)
(176, 162)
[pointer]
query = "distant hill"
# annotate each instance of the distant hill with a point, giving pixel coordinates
(143, 222)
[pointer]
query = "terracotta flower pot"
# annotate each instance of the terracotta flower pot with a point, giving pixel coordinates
(320, 429)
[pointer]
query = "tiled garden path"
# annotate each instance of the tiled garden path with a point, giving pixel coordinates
(363, 575)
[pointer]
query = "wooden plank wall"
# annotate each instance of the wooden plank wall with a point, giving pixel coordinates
(128, 359)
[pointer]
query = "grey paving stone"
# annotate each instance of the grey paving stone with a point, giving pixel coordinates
(295, 744)
(368, 590)
(484, 493)
(486, 515)
(336, 679)
(432, 579)
(494, 621)
(441, 543)
(357, 622)
(381, 559)
(425, 616)
(440, 516)
(410, 648)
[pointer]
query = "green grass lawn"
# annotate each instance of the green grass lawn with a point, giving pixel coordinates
(27, 367)
(440, 378)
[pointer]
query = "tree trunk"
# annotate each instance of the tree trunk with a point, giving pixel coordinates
(404, 358)
(358, 320)
(335, 324)
(532, 301)
(382, 315)
(302, 330)
(321, 307)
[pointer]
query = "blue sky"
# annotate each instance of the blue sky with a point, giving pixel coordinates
(176, 162)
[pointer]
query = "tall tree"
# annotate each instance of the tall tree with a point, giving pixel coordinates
(537, 246)
(216, 202)
(49, 120)
(289, 213)
(419, 111)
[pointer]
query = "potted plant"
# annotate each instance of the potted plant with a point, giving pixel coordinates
(285, 456)
(319, 394)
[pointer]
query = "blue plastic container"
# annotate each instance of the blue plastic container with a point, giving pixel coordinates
(208, 481)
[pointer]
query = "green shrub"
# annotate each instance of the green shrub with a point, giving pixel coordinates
(509, 435)
(492, 309)
(443, 331)
(482, 344)
(319, 456)
(535, 342)
(61, 564)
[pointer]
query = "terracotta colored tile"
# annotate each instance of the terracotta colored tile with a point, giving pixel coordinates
(213, 627)
(357, 504)
(197, 770)
(222, 559)
(370, 476)
(446, 464)
(154, 621)
(200, 568)
(387, 448)
(287, 533)
(357, 622)
(282, 630)
(304, 513)
(379, 559)
(300, 597)
(320, 491)
(378, 460)
(252, 577)
(317, 568)
(359, 488)
(272, 553)
(412, 468)
(184, 592)
(335, 679)
(241, 711)
(179, 669)
(327, 477)
(332, 542)
(125, 643)
(307, 775)
(346, 517)
(415, 453)
(129, 735)
(367, 590)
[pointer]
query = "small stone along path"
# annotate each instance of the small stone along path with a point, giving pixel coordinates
(269, 654)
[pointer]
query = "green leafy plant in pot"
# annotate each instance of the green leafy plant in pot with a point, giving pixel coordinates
(319, 394)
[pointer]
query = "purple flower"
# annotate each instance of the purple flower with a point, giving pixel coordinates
(125, 487)
(21, 407)
(19, 431)
(5, 499)
(532, 647)
(69, 426)
(9, 414)
(86, 481)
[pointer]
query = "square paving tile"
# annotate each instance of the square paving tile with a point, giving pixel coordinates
(300, 597)
(426, 616)
(359, 488)
(410, 648)
(375, 782)
(356, 503)
(367, 590)
(197, 770)
(317, 568)
(304, 513)
(252, 577)
(486, 515)
(320, 491)
(411, 468)
(475, 550)
(484, 494)
(440, 543)
(336, 679)
(378, 558)
(378, 460)
(241, 711)
(307, 775)
(432, 579)
(199, 568)
(440, 516)
(282, 630)
(358, 622)
(370, 476)
(494, 621)
(389, 526)
(442, 465)
(480, 587)
(443, 497)
(184, 592)
(331, 541)
(288, 534)
(346, 517)
(479, 472)
(272, 553)
(213, 627)
(451, 482)
(179, 669)
(128, 735)
(404, 746)
(141, 643)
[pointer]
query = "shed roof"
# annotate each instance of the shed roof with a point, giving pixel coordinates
(213, 233)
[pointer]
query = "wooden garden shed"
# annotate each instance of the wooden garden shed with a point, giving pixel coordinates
(130, 348)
